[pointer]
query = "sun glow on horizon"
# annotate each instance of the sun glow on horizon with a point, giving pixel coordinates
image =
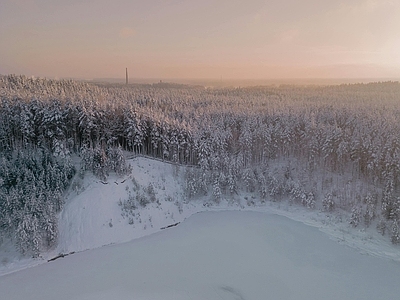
(207, 39)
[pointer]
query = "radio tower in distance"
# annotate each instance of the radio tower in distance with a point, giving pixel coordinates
(126, 75)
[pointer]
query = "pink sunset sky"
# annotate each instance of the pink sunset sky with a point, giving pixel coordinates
(253, 39)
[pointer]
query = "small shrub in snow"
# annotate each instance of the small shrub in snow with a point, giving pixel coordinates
(191, 186)
(389, 202)
(176, 170)
(355, 216)
(217, 192)
(128, 205)
(232, 185)
(77, 185)
(275, 188)
(327, 203)
(310, 200)
(136, 185)
(151, 193)
(142, 199)
(180, 206)
(296, 192)
(299, 195)
(250, 202)
(381, 227)
(370, 208)
(395, 234)
(395, 211)
(249, 180)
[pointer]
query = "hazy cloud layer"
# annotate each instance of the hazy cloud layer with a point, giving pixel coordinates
(175, 38)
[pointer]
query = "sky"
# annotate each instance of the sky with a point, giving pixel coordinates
(252, 39)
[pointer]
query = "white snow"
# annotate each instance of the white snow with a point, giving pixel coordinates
(214, 255)
(93, 218)
(272, 251)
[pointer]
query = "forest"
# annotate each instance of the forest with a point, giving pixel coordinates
(333, 148)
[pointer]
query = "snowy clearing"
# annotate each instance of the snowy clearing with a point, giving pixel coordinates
(214, 255)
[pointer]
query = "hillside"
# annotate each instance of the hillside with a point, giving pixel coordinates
(327, 153)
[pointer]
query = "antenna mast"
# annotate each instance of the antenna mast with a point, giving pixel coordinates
(126, 75)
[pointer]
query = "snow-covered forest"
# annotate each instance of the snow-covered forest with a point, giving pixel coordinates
(330, 148)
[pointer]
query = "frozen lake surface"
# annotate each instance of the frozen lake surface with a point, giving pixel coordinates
(214, 255)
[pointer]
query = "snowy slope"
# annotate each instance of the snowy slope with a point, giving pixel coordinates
(92, 218)
(214, 255)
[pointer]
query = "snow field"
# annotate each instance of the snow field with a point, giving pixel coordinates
(236, 250)
(214, 255)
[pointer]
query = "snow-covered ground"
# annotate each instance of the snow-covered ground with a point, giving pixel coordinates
(214, 255)
(273, 250)
(93, 218)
